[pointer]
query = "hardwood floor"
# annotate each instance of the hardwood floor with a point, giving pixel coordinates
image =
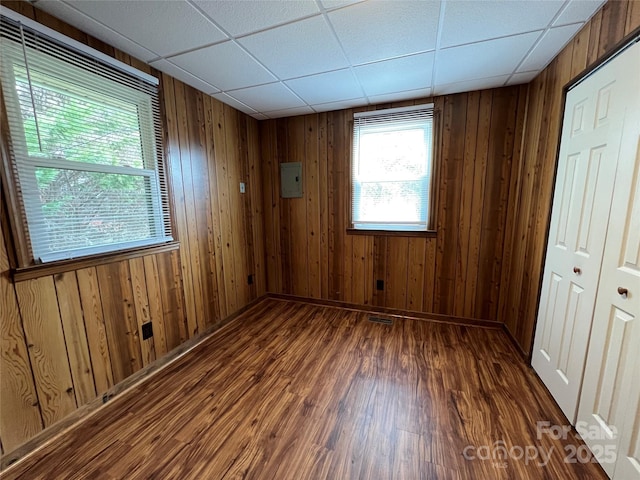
(298, 391)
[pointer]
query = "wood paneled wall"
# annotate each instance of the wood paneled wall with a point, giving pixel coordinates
(457, 272)
(68, 338)
(519, 300)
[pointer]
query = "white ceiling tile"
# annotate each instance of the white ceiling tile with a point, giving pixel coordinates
(301, 48)
(484, 59)
(240, 18)
(399, 96)
(524, 77)
(329, 106)
(164, 27)
(332, 4)
(87, 24)
(383, 29)
(383, 77)
(224, 65)
(264, 98)
(472, 21)
(289, 112)
(471, 85)
(326, 87)
(578, 11)
(224, 98)
(551, 43)
(176, 72)
(259, 116)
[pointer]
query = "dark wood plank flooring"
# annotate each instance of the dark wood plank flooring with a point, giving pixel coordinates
(298, 391)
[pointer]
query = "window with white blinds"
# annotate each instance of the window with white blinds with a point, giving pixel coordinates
(392, 163)
(86, 147)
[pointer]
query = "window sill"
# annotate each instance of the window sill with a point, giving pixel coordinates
(53, 268)
(393, 233)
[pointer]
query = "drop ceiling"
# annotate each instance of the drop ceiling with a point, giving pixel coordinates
(278, 58)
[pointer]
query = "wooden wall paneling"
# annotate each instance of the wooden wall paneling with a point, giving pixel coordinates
(173, 304)
(203, 213)
(633, 17)
(120, 320)
(47, 350)
(298, 218)
(216, 261)
(282, 135)
(225, 213)
(20, 417)
(332, 245)
(451, 174)
(323, 187)
(313, 202)
(612, 29)
(242, 175)
(358, 269)
(256, 214)
(429, 274)
(496, 198)
(379, 268)
(480, 155)
(189, 238)
(234, 171)
(95, 328)
(593, 47)
(271, 201)
(416, 251)
(245, 199)
(75, 335)
(513, 213)
(342, 262)
(141, 307)
(156, 311)
(524, 199)
(395, 284)
(466, 201)
(173, 157)
(579, 47)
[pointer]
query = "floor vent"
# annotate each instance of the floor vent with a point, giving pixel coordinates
(385, 321)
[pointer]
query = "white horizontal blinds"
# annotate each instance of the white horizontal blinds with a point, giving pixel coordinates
(392, 156)
(86, 138)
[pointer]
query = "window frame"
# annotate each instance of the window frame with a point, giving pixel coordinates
(432, 193)
(20, 207)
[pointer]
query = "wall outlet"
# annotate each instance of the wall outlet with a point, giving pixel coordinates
(147, 330)
(379, 284)
(250, 279)
(243, 188)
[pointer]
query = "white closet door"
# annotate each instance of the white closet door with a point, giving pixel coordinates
(610, 403)
(587, 162)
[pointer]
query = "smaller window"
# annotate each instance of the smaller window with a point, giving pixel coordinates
(392, 164)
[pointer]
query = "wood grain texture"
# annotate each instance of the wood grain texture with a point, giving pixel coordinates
(75, 337)
(294, 391)
(20, 416)
(93, 311)
(310, 253)
(522, 277)
(47, 350)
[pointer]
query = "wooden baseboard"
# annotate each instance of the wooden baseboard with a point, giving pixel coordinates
(117, 392)
(393, 312)
(526, 357)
